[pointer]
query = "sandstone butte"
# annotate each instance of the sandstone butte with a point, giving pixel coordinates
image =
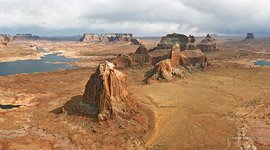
(208, 44)
(106, 92)
(109, 38)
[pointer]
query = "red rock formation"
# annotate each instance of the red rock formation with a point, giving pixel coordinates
(193, 57)
(175, 55)
(159, 55)
(123, 61)
(90, 38)
(208, 44)
(106, 91)
(142, 55)
(169, 40)
(162, 70)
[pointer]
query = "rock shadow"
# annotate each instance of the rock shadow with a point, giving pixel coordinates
(147, 75)
(73, 107)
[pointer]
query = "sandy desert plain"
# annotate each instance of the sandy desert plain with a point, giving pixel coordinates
(225, 106)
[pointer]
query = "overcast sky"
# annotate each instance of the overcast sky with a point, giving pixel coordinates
(141, 17)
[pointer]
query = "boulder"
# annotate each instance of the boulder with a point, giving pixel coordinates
(106, 92)
(249, 36)
(208, 44)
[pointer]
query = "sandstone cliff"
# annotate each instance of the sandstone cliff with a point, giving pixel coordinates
(124, 61)
(89, 38)
(109, 38)
(142, 55)
(170, 39)
(194, 58)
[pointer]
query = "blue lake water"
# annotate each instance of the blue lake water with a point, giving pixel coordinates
(262, 63)
(46, 63)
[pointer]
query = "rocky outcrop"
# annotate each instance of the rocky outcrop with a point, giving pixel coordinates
(173, 54)
(208, 44)
(249, 36)
(109, 38)
(162, 70)
(142, 55)
(124, 61)
(159, 55)
(106, 92)
(193, 58)
(170, 39)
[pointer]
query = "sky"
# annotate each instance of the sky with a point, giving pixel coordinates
(140, 17)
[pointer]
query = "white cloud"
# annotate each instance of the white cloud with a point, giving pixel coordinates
(142, 17)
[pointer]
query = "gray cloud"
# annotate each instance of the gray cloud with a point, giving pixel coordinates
(151, 17)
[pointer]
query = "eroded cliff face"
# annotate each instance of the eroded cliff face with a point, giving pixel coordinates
(195, 58)
(124, 61)
(109, 38)
(170, 39)
(90, 38)
(142, 55)
(105, 92)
